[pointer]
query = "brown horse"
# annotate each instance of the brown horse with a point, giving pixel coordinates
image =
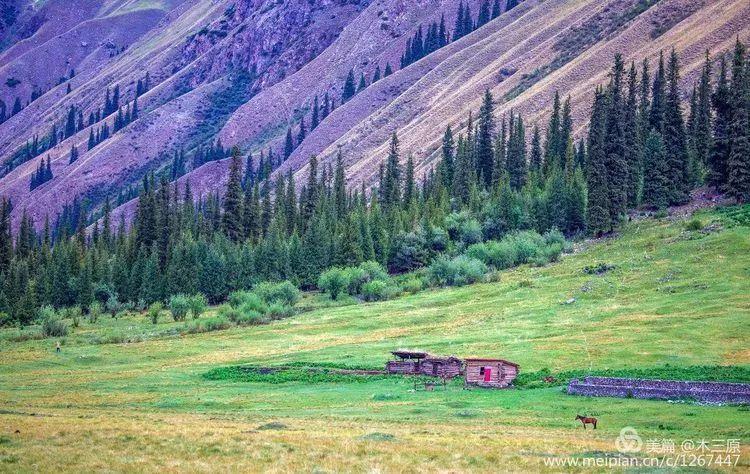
(586, 420)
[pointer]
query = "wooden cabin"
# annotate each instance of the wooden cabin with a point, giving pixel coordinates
(494, 373)
(410, 362)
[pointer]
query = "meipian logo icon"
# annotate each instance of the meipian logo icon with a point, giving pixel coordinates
(629, 442)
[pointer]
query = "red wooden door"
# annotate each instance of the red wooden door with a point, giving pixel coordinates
(487, 374)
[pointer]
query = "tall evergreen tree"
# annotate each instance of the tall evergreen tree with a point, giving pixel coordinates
(598, 218)
(738, 185)
(349, 87)
(675, 139)
(718, 173)
(232, 219)
(485, 152)
(656, 192)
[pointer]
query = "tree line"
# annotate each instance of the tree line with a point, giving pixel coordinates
(497, 176)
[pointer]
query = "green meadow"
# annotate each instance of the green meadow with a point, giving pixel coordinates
(666, 298)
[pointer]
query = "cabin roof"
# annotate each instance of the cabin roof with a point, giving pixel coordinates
(492, 360)
(410, 354)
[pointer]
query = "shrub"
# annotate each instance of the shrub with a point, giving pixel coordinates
(462, 270)
(47, 312)
(279, 311)
(74, 312)
(409, 251)
(471, 232)
(545, 255)
(527, 244)
(197, 304)
(694, 224)
(412, 285)
(285, 292)
(112, 305)
(378, 290)
(179, 305)
(251, 318)
(501, 255)
(554, 236)
(355, 277)
(154, 311)
(95, 310)
(5, 319)
(229, 312)
(54, 327)
(333, 282)
(246, 301)
(216, 324)
(364, 273)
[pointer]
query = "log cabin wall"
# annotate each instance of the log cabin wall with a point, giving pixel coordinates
(501, 374)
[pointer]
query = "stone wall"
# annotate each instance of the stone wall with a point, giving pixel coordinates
(707, 392)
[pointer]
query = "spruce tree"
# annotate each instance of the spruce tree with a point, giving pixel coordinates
(516, 162)
(718, 174)
(349, 88)
(632, 141)
(288, 143)
(232, 219)
(675, 139)
(484, 14)
(446, 163)
(302, 131)
(656, 191)
(535, 161)
(701, 134)
(614, 144)
(485, 152)
(392, 177)
(738, 184)
(598, 218)
(315, 120)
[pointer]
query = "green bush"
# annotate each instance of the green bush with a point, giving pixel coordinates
(378, 290)
(279, 311)
(54, 327)
(95, 310)
(459, 271)
(499, 254)
(364, 273)
(112, 305)
(694, 224)
(554, 236)
(285, 292)
(412, 285)
(333, 282)
(216, 324)
(73, 313)
(548, 254)
(246, 301)
(471, 232)
(154, 311)
(251, 318)
(179, 305)
(46, 312)
(198, 305)
(527, 244)
(229, 312)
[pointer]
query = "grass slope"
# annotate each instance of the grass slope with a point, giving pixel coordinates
(675, 297)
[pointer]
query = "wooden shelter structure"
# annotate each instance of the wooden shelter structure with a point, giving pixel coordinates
(494, 373)
(410, 362)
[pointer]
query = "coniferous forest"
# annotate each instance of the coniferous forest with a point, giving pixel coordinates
(646, 147)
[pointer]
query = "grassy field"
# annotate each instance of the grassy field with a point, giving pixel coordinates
(675, 299)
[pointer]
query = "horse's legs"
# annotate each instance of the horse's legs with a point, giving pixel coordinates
(594, 425)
